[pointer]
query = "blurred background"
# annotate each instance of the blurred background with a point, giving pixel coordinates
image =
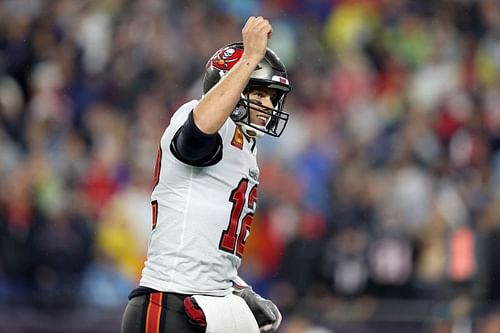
(379, 207)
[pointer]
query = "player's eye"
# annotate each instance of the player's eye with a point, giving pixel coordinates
(256, 101)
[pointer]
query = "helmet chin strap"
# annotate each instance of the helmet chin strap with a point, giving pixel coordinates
(239, 115)
(251, 131)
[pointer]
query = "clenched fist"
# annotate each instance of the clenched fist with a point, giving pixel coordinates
(256, 33)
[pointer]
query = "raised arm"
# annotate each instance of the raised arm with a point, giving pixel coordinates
(216, 106)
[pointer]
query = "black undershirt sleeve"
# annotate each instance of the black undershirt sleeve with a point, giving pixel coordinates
(191, 146)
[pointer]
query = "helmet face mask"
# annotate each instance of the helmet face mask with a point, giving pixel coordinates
(269, 73)
(276, 117)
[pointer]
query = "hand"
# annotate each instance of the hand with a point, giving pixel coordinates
(265, 312)
(256, 33)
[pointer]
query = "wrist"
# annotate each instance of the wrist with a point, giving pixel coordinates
(250, 60)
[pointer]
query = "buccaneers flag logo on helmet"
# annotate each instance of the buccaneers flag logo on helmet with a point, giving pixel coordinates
(226, 58)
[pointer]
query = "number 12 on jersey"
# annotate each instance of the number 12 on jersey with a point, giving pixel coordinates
(230, 240)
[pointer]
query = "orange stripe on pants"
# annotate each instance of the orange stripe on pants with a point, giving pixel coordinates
(153, 313)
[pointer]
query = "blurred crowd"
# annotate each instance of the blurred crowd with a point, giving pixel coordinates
(385, 184)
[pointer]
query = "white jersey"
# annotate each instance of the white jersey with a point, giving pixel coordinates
(201, 215)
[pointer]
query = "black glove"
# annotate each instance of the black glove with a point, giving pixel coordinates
(265, 312)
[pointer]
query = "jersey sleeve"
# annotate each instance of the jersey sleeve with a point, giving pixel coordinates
(187, 143)
(191, 146)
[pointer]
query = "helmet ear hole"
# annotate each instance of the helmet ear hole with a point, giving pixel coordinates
(240, 112)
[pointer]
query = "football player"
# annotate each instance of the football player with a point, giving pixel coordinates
(205, 195)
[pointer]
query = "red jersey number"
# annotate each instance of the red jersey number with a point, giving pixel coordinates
(230, 240)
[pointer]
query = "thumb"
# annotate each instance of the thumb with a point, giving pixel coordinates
(266, 328)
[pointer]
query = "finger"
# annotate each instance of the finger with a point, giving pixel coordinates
(266, 27)
(262, 24)
(249, 23)
(277, 315)
(276, 324)
(266, 328)
(255, 22)
(268, 311)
